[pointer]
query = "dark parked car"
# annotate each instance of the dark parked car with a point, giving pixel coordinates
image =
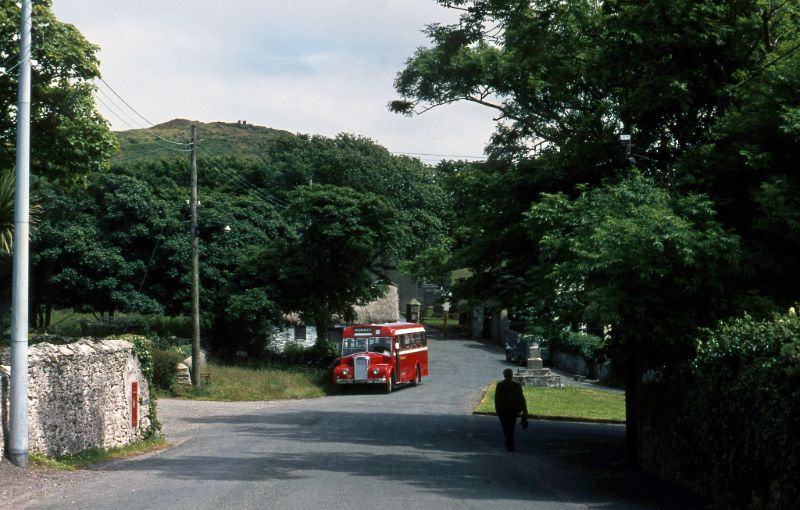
(517, 351)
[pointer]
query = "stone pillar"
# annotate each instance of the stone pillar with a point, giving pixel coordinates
(534, 357)
(413, 311)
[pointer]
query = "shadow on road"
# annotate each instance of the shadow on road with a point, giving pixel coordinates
(447, 454)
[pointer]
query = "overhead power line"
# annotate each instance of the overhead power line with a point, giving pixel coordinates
(112, 110)
(118, 98)
(125, 102)
(439, 155)
(250, 188)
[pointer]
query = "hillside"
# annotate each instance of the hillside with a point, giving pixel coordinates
(215, 139)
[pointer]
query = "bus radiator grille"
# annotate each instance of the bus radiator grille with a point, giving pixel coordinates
(360, 367)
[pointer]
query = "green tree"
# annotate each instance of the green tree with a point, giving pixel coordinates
(747, 167)
(78, 260)
(243, 294)
(652, 265)
(7, 190)
(336, 257)
(701, 87)
(414, 189)
(69, 137)
(570, 76)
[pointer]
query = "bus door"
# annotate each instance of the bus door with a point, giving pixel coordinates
(398, 344)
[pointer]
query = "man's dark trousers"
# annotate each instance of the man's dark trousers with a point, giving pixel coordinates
(508, 421)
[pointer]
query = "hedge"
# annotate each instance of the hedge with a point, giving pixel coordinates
(746, 410)
(729, 426)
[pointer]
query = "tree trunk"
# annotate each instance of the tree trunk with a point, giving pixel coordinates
(321, 324)
(36, 317)
(48, 314)
(632, 383)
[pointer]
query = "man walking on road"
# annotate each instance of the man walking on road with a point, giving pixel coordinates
(509, 402)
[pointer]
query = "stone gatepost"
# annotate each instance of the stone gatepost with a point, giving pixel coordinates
(534, 357)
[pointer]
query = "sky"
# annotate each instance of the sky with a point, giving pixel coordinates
(305, 66)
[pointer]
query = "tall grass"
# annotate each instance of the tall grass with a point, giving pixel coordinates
(232, 383)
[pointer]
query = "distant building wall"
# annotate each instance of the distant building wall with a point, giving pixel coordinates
(408, 289)
(80, 396)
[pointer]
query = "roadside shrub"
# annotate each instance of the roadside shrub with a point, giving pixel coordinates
(164, 368)
(728, 425)
(149, 325)
(582, 344)
(317, 356)
(745, 412)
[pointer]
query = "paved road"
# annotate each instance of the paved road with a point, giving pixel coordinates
(416, 448)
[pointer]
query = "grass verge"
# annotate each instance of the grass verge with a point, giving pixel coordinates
(231, 383)
(93, 455)
(569, 403)
(438, 322)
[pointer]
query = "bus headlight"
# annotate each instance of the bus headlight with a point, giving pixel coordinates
(345, 372)
(376, 371)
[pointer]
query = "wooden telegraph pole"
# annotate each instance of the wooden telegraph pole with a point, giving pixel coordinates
(195, 265)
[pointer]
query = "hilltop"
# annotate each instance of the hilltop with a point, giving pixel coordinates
(245, 140)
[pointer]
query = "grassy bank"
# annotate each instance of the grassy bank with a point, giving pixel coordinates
(570, 403)
(93, 455)
(231, 383)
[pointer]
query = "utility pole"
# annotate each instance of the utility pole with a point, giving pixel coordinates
(195, 266)
(18, 419)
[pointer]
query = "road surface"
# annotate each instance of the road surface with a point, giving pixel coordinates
(416, 448)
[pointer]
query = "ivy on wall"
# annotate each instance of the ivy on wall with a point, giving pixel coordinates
(143, 349)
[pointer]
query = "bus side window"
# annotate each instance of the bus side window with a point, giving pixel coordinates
(408, 341)
(417, 339)
(424, 339)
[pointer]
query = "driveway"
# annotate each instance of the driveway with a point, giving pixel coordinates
(416, 448)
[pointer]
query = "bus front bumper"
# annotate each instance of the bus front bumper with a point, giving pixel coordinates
(377, 380)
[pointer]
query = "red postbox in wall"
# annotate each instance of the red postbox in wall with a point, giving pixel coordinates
(134, 404)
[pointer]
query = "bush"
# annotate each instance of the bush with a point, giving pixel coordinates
(120, 324)
(745, 411)
(164, 368)
(588, 346)
(317, 356)
(728, 426)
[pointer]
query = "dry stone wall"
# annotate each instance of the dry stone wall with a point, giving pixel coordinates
(81, 395)
(282, 338)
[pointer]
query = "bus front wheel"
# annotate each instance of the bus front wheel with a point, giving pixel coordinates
(388, 387)
(418, 379)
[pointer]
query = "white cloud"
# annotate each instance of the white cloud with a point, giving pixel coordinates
(311, 66)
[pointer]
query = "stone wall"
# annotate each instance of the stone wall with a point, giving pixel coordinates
(281, 338)
(577, 365)
(572, 363)
(3, 409)
(80, 396)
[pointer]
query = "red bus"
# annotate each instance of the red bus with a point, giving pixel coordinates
(387, 354)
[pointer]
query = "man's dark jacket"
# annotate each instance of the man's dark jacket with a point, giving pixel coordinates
(508, 399)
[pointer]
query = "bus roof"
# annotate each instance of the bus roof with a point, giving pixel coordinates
(393, 327)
